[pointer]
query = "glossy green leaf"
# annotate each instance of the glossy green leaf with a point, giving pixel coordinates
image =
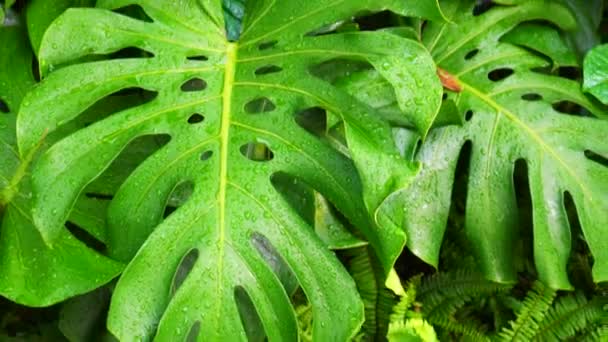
(31, 273)
(588, 14)
(509, 104)
(234, 12)
(229, 109)
(513, 118)
(595, 72)
(40, 14)
(545, 39)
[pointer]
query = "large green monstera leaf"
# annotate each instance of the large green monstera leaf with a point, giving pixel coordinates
(512, 107)
(231, 110)
(509, 92)
(31, 273)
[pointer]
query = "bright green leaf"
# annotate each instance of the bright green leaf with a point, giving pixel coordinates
(229, 110)
(596, 73)
(32, 273)
(509, 105)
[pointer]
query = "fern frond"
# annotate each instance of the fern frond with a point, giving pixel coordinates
(443, 294)
(414, 329)
(378, 301)
(533, 311)
(304, 315)
(473, 331)
(595, 333)
(571, 314)
(400, 310)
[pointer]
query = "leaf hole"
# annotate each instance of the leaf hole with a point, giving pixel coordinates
(532, 97)
(183, 269)
(580, 261)
(180, 194)
(196, 118)
(199, 58)
(313, 119)
(194, 84)
(500, 74)
(468, 115)
(252, 324)
(36, 69)
(259, 105)
(4, 107)
(274, 260)
(373, 22)
(257, 151)
(194, 332)
(461, 179)
(268, 69)
(206, 155)
(523, 199)
(85, 237)
(143, 95)
(99, 196)
(129, 52)
(482, 6)
(471, 54)
(596, 158)
(336, 69)
(568, 107)
(267, 45)
(570, 72)
(444, 96)
(135, 12)
(138, 150)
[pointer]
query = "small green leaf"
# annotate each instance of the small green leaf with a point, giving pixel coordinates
(595, 71)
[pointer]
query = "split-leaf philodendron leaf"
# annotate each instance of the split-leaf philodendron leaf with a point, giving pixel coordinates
(231, 112)
(32, 273)
(512, 106)
(596, 73)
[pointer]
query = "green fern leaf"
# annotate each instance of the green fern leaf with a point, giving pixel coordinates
(570, 315)
(378, 300)
(534, 309)
(443, 294)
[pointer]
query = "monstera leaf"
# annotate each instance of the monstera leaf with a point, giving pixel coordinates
(31, 273)
(512, 105)
(595, 72)
(231, 110)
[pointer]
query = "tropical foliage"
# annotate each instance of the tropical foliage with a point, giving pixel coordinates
(317, 170)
